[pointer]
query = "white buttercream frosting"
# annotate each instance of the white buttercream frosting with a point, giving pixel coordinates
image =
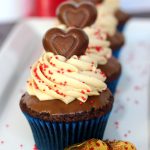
(98, 48)
(55, 77)
(113, 5)
(106, 20)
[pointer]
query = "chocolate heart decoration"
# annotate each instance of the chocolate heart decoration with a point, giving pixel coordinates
(93, 1)
(77, 14)
(72, 42)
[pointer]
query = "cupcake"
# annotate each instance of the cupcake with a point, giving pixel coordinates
(95, 144)
(107, 22)
(120, 15)
(99, 51)
(67, 100)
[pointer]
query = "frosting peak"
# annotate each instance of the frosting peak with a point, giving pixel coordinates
(55, 77)
(98, 48)
(106, 20)
(112, 4)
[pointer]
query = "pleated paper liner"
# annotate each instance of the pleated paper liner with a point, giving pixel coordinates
(58, 135)
(112, 86)
(116, 53)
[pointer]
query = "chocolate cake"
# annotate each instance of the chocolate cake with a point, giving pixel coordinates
(116, 41)
(122, 17)
(112, 69)
(58, 111)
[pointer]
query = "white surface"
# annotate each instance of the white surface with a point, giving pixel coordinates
(136, 6)
(129, 119)
(11, 10)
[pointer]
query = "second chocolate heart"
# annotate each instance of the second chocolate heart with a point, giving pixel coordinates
(77, 14)
(72, 42)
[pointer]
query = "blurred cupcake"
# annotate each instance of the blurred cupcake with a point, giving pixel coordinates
(67, 100)
(95, 144)
(99, 51)
(107, 22)
(99, 48)
(122, 17)
(83, 14)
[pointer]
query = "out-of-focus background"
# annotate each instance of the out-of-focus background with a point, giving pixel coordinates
(11, 11)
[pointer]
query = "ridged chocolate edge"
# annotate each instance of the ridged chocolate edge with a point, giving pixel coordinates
(69, 117)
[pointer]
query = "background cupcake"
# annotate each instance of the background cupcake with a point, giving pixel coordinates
(121, 16)
(67, 100)
(99, 51)
(107, 22)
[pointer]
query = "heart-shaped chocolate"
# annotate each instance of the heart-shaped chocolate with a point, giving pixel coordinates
(93, 1)
(69, 43)
(78, 15)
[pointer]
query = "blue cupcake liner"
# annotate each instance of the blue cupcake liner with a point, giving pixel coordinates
(58, 135)
(116, 53)
(120, 28)
(113, 86)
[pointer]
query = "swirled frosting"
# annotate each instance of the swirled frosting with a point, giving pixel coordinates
(55, 77)
(106, 20)
(113, 5)
(98, 48)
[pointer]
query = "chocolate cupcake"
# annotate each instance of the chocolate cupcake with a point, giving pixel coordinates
(99, 50)
(95, 144)
(67, 100)
(83, 14)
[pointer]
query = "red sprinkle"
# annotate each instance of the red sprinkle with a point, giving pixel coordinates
(82, 92)
(88, 91)
(103, 74)
(98, 48)
(81, 103)
(50, 72)
(92, 101)
(69, 70)
(45, 66)
(83, 98)
(97, 144)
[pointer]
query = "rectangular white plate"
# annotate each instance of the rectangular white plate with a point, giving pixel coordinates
(130, 116)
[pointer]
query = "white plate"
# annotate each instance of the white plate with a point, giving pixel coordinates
(129, 119)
